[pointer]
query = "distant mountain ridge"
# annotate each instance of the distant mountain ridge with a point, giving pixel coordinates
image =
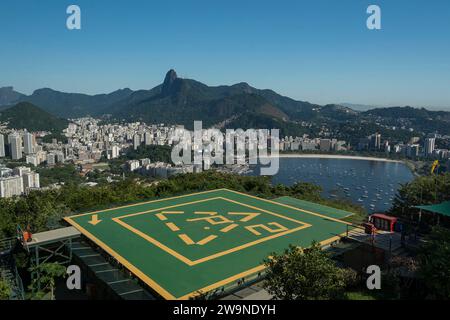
(8, 96)
(72, 105)
(174, 93)
(181, 101)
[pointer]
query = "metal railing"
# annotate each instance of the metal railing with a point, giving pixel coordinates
(8, 269)
(6, 245)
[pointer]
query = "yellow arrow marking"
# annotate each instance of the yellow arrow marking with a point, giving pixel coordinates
(249, 215)
(94, 220)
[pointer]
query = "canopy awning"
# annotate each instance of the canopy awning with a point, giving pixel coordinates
(441, 208)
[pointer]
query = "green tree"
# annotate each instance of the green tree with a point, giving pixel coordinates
(48, 274)
(434, 262)
(304, 274)
(5, 290)
(422, 191)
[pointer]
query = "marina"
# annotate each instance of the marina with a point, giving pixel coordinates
(371, 184)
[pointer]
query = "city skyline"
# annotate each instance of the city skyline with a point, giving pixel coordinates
(320, 51)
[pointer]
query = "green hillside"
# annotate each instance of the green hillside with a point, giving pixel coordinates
(25, 115)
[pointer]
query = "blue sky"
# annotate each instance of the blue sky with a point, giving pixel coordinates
(319, 51)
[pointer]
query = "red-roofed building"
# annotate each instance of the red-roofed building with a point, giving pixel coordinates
(383, 222)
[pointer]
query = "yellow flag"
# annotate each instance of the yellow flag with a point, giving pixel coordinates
(434, 166)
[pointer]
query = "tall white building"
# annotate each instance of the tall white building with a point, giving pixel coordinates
(133, 165)
(429, 145)
(19, 171)
(32, 159)
(15, 143)
(148, 138)
(59, 156)
(114, 152)
(5, 172)
(41, 156)
(2, 146)
(30, 180)
(136, 141)
(51, 159)
(11, 186)
(28, 145)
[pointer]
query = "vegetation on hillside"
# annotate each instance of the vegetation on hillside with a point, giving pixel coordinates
(66, 173)
(45, 285)
(5, 290)
(25, 115)
(306, 274)
(434, 262)
(153, 152)
(422, 190)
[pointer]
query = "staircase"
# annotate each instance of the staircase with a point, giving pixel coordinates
(8, 269)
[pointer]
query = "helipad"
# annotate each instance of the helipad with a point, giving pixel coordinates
(184, 245)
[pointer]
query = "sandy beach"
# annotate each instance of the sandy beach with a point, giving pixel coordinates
(336, 156)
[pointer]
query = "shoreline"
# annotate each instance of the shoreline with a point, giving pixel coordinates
(337, 156)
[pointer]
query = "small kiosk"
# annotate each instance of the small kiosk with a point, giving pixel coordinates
(383, 222)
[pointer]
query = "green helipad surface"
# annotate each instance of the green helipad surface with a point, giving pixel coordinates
(307, 205)
(203, 241)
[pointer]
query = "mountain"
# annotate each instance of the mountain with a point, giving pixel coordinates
(181, 101)
(8, 96)
(25, 115)
(72, 105)
(408, 113)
